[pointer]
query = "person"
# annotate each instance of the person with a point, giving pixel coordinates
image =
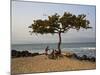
(52, 53)
(56, 53)
(46, 50)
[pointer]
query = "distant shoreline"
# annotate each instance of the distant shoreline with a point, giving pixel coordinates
(54, 43)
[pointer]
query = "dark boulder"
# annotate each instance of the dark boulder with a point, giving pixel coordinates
(24, 53)
(74, 55)
(93, 59)
(84, 57)
(34, 54)
(15, 54)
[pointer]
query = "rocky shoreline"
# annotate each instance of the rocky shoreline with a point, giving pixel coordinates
(17, 54)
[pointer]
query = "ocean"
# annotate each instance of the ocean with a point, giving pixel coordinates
(80, 49)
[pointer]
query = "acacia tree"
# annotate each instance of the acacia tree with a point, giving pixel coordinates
(60, 24)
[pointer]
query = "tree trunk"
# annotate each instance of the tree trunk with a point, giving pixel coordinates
(59, 43)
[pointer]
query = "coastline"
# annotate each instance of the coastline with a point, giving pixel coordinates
(41, 63)
(80, 49)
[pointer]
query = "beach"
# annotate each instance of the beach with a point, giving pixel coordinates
(41, 63)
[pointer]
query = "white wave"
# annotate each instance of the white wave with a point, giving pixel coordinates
(81, 48)
(88, 48)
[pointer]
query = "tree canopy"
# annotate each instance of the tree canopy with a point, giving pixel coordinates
(56, 23)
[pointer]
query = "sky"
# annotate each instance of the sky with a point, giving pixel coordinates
(23, 13)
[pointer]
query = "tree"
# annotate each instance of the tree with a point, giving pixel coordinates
(60, 24)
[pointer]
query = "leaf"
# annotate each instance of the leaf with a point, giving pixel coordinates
(56, 23)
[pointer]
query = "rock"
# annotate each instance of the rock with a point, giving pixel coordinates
(34, 54)
(24, 53)
(84, 57)
(15, 54)
(93, 59)
(74, 55)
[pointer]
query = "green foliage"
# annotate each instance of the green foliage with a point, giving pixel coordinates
(56, 23)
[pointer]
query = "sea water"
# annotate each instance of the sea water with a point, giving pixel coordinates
(80, 49)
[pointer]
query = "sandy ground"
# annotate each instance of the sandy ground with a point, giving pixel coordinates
(41, 63)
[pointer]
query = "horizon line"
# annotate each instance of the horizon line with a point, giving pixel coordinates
(52, 43)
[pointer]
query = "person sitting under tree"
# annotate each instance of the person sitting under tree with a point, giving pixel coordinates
(46, 50)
